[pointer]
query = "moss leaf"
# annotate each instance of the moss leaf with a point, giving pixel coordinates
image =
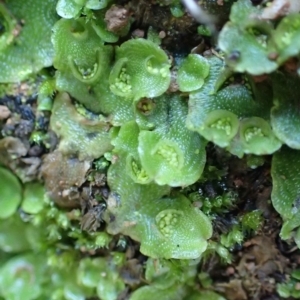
(149, 293)
(68, 9)
(286, 37)
(286, 182)
(89, 274)
(100, 28)
(246, 51)
(207, 295)
(172, 154)
(241, 10)
(78, 49)
(245, 40)
(285, 115)
(11, 193)
(32, 49)
(141, 70)
(166, 227)
(192, 72)
(33, 201)
(13, 235)
(87, 138)
(257, 137)
(21, 277)
(126, 145)
(215, 109)
(286, 186)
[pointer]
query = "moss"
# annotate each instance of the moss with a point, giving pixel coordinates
(134, 117)
(69, 9)
(220, 126)
(286, 37)
(79, 135)
(257, 137)
(252, 220)
(218, 111)
(23, 271)
(285, 113)
(288, 288)
(145, 224)
(141, 70)
(78, 49)
(192, 72)
(285, 190)
(170, 153)
(11, 193)
(25, 47)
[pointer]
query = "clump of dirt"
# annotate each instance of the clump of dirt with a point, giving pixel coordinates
(63, 176)
(263, 260)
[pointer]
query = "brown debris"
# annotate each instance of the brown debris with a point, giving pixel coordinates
(291, 65)
(279, 8)
(263, 251)
(13, 154)
(116, 18)
(252, 276)
(92, 219)
(173, 87)
(260, 78)
(259, 264)
(11, 148)
(4, 112)
(63, 176)
(131, 272)
(233, 290)
(30, 167)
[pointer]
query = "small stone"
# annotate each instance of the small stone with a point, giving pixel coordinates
(4, 112)
(230, 271)
(116, 18)
(35, 150)
(138, 33)
(162, 34)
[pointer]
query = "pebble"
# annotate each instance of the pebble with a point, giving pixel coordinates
(4, 112)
